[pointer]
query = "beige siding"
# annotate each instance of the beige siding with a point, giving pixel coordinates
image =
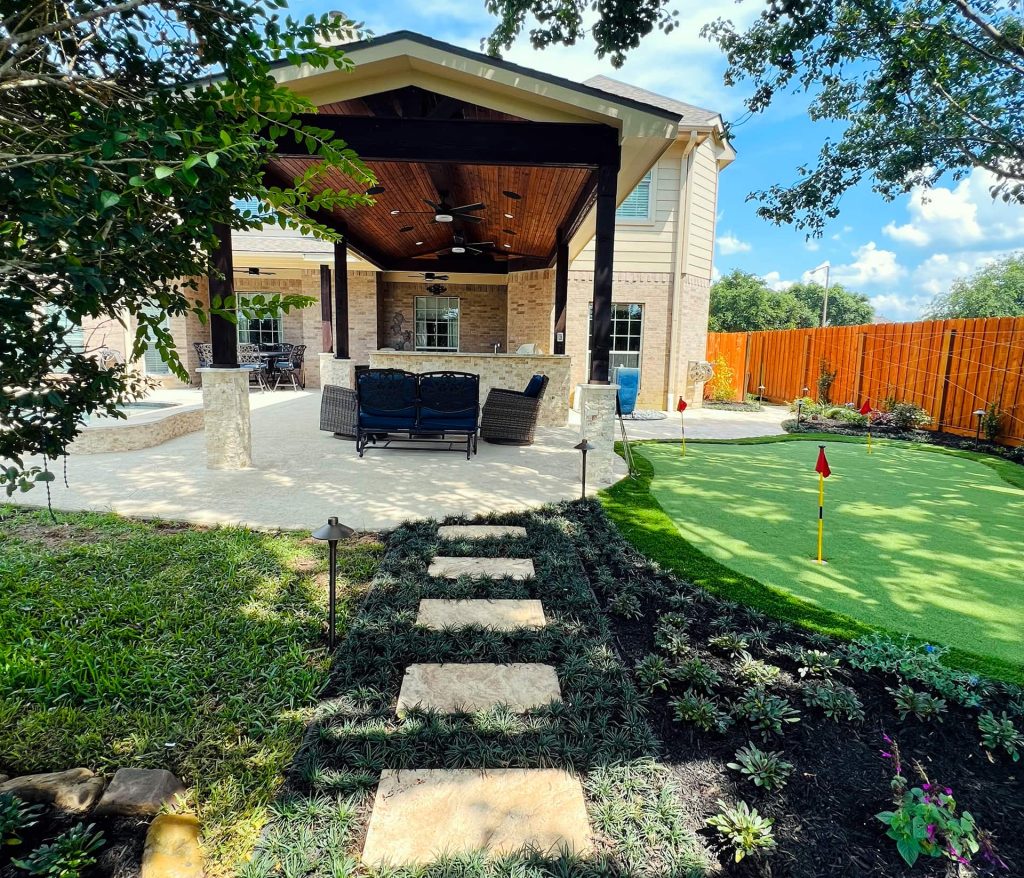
(702, 208)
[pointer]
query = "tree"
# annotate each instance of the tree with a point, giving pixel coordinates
(920, 88)
(994, 291)
(119, 160)
(845, 308)
(743, 302)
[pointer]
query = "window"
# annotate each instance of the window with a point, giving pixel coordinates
(151, 356)
(637, 206)
(627, 335)
(437, 323)
(254, 208)
(258, 330)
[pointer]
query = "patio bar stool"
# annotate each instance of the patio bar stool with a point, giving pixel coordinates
(291, 367)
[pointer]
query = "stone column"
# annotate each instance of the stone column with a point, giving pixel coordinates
(226, 418)
(597, 426)
(340, 373)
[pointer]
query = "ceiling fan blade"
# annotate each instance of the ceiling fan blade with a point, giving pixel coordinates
(436, 207)
(475, 250)
(468, 218)
(478, 206)
(482, 244)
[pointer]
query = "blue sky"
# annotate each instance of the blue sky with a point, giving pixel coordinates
(900, 254)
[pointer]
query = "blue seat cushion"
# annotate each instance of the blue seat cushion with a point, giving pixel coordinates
(465, 419)
(399, 419)
(533, 388)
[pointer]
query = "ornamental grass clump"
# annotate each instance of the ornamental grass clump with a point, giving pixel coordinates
(743, 828)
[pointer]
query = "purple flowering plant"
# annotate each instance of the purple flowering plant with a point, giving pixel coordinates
(925, 820)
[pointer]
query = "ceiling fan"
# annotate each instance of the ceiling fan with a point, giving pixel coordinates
(460, 247)
(429, 276)
(444, 212)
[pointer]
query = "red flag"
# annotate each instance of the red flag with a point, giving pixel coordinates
(866, 408)
(681, 406)
(822, 467)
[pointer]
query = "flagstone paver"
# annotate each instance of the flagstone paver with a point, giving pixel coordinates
(453, 687)
(421, 814)
(479, 531)
(501, 614)
(480, 568)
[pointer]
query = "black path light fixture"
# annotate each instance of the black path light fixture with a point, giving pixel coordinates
(979, 414)
(332, 532)
(583, 447)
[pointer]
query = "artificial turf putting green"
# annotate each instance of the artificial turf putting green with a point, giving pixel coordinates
(920, 542)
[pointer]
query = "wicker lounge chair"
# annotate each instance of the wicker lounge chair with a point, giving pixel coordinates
(339, 411)
(510, 416)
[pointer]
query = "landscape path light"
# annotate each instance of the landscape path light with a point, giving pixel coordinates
(332, 532)
(583, 447)
(979, 414)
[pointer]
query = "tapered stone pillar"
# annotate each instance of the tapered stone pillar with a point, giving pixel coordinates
(339, 373)
(597, 426)
(226, 418)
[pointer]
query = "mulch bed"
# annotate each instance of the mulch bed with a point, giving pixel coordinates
(733, 406)
(824, 816)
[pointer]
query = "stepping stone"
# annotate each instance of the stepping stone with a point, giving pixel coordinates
(172, 848)
(421, 814)
(500, 615)
(453, 687)
(479, 531)
(481, 568)
(75, 790)
(140, 792)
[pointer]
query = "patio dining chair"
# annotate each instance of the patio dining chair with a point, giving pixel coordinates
(291, 367)
(250, 360)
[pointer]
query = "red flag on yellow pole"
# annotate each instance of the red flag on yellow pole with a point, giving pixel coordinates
(866, 411)
(824, 471)
(681, 407)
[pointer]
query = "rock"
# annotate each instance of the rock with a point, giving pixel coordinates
(4, 778)
(139, 792)
(172, 848)
(75, 790)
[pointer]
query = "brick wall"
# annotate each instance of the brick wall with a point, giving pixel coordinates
(694, 300)
(650, 289)
(482, 318)
(531, 309)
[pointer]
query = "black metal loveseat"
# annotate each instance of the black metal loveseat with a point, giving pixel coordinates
(431, 406)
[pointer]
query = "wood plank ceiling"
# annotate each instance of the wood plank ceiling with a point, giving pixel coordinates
(524, 206)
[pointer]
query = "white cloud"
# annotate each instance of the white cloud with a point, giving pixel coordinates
(963, 215)
(900, 308)
(812, 245)
(938, 271)
(775, 281)
(870, 267)
(729, 244)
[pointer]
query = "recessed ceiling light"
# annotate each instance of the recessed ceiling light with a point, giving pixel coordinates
(395, 212)
(509, 216)
(405, 229)
(419, 243)
(508, 231)
(375, 190)
(507, 245)
(508, 193)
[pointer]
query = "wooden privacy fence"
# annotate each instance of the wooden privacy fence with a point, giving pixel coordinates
(952, 368)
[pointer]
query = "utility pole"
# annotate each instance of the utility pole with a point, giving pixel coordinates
(827, 266)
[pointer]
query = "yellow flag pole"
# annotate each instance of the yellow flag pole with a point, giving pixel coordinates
(682, 431)
(821, 513)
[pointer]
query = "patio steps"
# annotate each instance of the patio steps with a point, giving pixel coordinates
(420, 815)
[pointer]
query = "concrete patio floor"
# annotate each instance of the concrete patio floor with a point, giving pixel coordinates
(300, 475)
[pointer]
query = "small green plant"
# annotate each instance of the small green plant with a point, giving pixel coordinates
(730, 643)
(671, 635)
(67, 856)
(701, 711)
(826, 378)
(697, 673)
(992, 422)
(743, 828)
(625, 604)
(766, 768)
(766, 713)
(836, 701)
(754, 671)
(723, 383)
(814, 662)
(652, 673)
(999, 733)
(923, 705)
(15, 817)
(903, 416)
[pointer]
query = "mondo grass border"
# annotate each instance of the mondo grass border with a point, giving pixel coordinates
(642, 520)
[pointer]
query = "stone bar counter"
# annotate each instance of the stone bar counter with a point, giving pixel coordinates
(508, 371)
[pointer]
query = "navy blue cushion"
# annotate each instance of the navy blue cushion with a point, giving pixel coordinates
(449, 421)
(401, 420)
(533, 388)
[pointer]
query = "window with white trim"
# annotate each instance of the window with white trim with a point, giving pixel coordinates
(437, 323)
(627, 336)
(637, 206)
(258, 330)
(154, 363)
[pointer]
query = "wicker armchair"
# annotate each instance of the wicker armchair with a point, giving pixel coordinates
(510, 416)
(339, 411)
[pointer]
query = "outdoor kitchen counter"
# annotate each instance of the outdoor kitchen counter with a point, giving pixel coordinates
(509, 371)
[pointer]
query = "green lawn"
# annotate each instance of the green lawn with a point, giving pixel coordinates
(125, 643)
(918, 541)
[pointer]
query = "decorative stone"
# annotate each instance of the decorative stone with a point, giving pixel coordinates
(500, 614)
(421, 814)
(481, 568)
(597, 426)
(479, 531)
(75, 790)
(340, 373)
(172, 848)
(450, 688)
(140, 792)
(226, 420)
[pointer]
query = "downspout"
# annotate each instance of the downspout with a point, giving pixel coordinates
(680, 254)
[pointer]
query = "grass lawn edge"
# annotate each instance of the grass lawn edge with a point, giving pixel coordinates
(638, 515)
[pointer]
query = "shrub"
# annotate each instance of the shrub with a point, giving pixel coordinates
(766, 713)
(835, 700)
(722, 384)
(743, 828)
(16, 816)
(701, 711)
(766, 768)
(992, 422)
(826, 378)
(697, 673)
(848, 416)
(67, 856)
(1000, 734)
(923, 705)
(903, 416)
(652, 673)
